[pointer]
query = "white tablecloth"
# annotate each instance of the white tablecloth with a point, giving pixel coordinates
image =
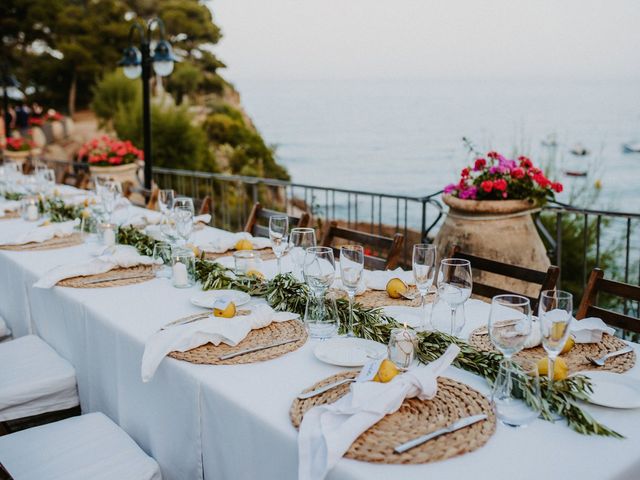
(233, 421)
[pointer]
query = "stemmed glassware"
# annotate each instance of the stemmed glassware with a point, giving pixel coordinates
(299, 240)
(319, 273)
(424, 264)
(278, 230)
(454, 285)
(351, 267)
(183, 217)
(110, 192)
(184, 202)
(555, 312)
(165, 201)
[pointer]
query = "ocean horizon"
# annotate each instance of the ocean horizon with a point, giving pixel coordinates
(405, 136)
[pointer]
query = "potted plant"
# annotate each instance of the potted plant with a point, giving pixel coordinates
(118, 159)
(19, 149)
(490, 211)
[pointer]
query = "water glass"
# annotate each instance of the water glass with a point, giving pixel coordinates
(509, 323)
(555, 312)
(110, 192)
(162, 256)
(165, 200)
(29, 210)
(278, 230)
(184, 202)
(508, 393)
(440, 317)
(168, 228)
(183, 268)
(319, 273)
(454, 284)
(424, 264)
(107, 234)
(299, 240)
(351, 268)
(245, 261)
(183, 217)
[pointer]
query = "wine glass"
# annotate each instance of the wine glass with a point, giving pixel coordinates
(165, 200)
(509, 323)
(454, 284)
(278, 229)
(424, 264)
(555, 312)
(185, 202)
(168, 227)
(319, 273)
(47, 177)
(299, 240)
(183, 217)
(162, 255)
(110, 193)
(351, 267)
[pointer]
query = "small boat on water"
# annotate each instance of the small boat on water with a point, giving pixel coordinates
(579, 150)
(575, 173)
(631, 147)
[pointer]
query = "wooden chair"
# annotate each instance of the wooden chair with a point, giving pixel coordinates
(134, 193)
(205, 206)
(546, 280)
(78, 180)
(391, 245)
(598, 284)
(258, 213)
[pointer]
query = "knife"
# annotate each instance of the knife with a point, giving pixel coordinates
(462, 423)
(256, 349)
(184, 321)
(326, 388)
(119, 277)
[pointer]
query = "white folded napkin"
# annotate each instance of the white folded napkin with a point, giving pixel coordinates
(227, 241)
(8, 206)
(327, 431)
(119, 256)
(590, 330)
(378, 279)
(40, 234)
(212, 329)
(204, 218)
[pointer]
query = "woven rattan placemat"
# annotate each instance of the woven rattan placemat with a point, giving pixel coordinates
(57, 242)
(380, 298)
(209, 354)
(10, 216)
(265, 254)
(414, 418)
(576, 358)
(120, 276)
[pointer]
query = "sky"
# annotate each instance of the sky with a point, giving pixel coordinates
(383, 39)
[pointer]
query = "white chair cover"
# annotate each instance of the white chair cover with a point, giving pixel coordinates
(34, 379)
(79, 448)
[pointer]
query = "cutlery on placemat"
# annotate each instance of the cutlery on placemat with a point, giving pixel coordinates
(600, 361)
(184, 321)
(485, 330)
(119, 277)
(256, 349)
(462, 423)
(326, 388)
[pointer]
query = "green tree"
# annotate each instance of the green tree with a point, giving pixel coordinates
(113, 91)
(185, 80)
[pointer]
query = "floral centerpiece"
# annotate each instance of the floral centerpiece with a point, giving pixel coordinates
(108, 152)
(499, 178)
(19, 144)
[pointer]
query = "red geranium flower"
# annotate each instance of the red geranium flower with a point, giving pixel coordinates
(500, 184)
(465, 172)
(492, 155)
(487, 186)
(525, 162)
(557, 187)
(479, 164)
(517, 173)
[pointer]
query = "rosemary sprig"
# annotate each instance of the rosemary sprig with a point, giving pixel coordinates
(58, 210)
(135, 238)
(13, 195)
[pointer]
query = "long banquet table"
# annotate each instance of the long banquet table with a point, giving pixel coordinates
(220, 422)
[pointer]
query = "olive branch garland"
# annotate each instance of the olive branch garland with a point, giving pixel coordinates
(285, 293)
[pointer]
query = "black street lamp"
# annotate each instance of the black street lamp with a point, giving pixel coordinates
(138, 61)
(8, 81)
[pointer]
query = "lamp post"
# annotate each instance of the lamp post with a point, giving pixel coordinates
(139, 61)
(8, 81)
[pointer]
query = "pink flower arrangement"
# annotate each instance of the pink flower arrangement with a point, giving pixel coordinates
(498, 178)
(19, 144)
(106, 151)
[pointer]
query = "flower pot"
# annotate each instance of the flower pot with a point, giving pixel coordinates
(20, 157)
(501, 230)
(119, 173)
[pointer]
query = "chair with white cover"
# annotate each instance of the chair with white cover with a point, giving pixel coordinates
(86, 447)
(37, 385)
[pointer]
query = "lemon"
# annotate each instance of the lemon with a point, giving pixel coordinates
(560, 368)
(228, 312)
(396, 287)
(45, 223)
(256, 274)
(386, 371)
(86, 202)
(86, 213)
(194, 249)
(244, 244)
(568, 345)
(56, 192)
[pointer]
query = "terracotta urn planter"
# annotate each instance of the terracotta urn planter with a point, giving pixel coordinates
(501, 230)
(20, 157)
(119, 173)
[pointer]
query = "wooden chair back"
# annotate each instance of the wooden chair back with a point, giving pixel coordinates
(546, 280)
(392, 246)
(205, 206)
(589, 303)
(258, 221)
(134, 192)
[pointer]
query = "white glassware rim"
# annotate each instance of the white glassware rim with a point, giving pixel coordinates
(303, 230)
(424, 246)
(523, 300)
(318, 249)
(557, 294)
(351, 248)
(245, 254)
(455, 262)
